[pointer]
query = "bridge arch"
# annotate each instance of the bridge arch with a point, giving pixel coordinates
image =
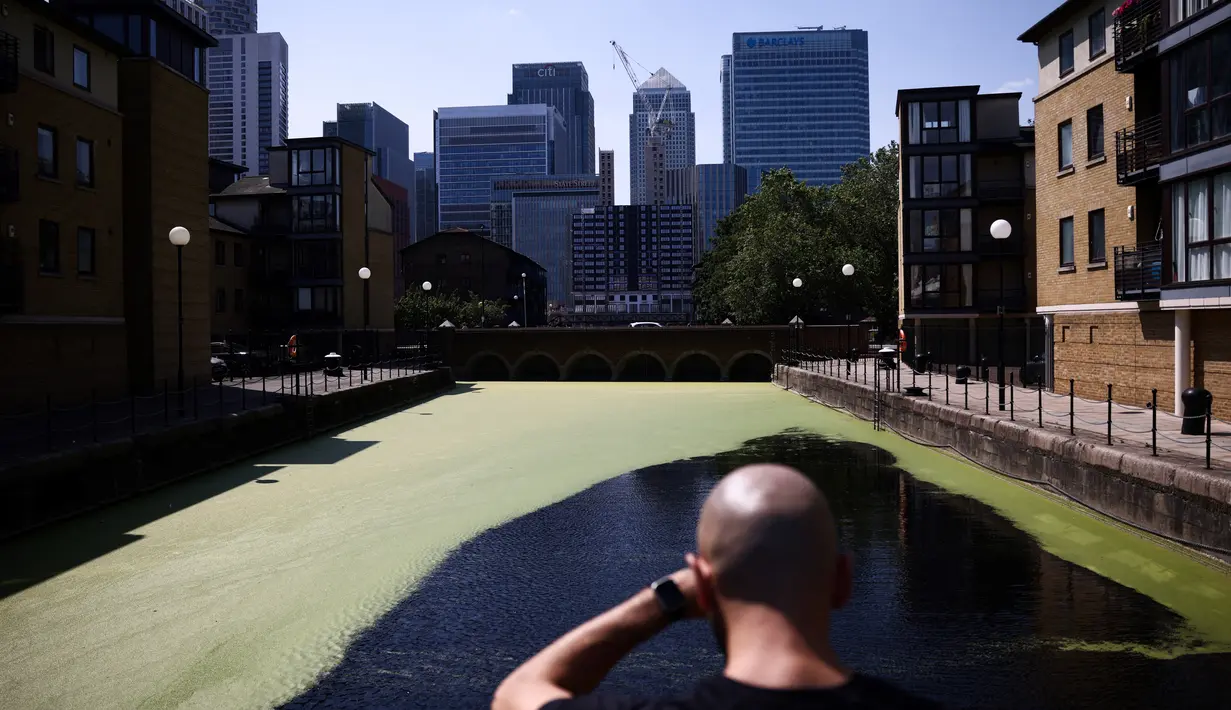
(641, 366)
(487, 365)
(537, 366)
(750, 366)
(588, 366)
(696, 366)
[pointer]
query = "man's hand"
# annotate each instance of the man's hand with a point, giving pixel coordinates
(686, 580)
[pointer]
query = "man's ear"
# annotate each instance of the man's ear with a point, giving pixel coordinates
(705, 583)
(843, 580)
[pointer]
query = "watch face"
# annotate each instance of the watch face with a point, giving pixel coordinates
(669, 597)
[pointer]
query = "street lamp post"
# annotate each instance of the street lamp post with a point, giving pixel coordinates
(427, 288)
(364, 274)
(848, 270)
(1001, 230)
(525, 319)
(796, 283)
(516, 298)
(180, 238)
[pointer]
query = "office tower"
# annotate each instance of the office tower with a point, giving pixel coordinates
(632, 260)
(715, 190)
(797, 100)
(726, 109)
(676, 127)
(248, 99)
(374, 128)
(475, 144)
(606, 178)
(533, 215)
(230, 17)
(565, 87)
(425, 220)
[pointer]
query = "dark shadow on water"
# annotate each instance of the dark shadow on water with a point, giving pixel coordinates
(951, 600)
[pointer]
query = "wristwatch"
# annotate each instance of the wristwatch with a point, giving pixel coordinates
(670, 598)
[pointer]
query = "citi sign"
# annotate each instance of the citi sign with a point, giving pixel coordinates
(755, 42)
(547, 71)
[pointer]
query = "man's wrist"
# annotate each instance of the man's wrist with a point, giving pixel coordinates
(648, 612)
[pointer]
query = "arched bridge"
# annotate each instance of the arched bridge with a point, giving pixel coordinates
(692, 353)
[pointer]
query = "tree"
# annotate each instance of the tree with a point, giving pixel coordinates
(790, 230)
(420, 310)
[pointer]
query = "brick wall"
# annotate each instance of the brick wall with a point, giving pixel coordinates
(1089, 185)
(1132, 351)
(1212, 357)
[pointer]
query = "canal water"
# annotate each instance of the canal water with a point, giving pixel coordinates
(413, 561)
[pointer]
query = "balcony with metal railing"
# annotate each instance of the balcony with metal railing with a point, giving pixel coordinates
(1139, 150)
(999, 189)
(1139, 271)
(9, 50)
(1136, 27)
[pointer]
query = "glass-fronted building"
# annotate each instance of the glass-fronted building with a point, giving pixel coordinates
(632, 260)
(533, 215)
(714, 190)
(680, 138)
(477, 144)
(374, 128)
(797, 100)
(425, 223)
(249, 98)
(565, 86)
(230, 17)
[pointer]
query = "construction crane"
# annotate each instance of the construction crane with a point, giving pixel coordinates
(658, 125)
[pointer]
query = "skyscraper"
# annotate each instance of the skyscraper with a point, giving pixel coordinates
(714, 190)
(475, 144)
(248, 80)
(798, 100)
(534, 216)
(677, 125)
(606, 178)
(564, 86)
(425, 222)
(374, 128)
(230, 17)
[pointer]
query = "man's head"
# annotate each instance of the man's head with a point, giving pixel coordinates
(766, 539)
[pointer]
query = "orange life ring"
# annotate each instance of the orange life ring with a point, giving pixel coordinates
(292, 347)
(901, 341)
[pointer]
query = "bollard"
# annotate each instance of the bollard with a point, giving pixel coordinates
(1072, 429)
(947, 378)
(1109, 414)
(966, 396)
(1154, 421)
(1012, 389)
(929, 382)
(987, 395)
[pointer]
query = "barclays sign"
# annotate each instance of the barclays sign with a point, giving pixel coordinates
(756, 42)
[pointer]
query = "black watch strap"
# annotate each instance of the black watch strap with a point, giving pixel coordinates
(670, 598)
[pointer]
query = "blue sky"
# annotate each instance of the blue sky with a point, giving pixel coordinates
(412, 56)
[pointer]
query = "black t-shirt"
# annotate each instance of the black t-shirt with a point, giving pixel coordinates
(722, 693)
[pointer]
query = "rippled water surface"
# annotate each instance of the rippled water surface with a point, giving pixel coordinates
(414, 560)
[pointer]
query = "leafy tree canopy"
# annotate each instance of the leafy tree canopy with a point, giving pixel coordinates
(418, 310)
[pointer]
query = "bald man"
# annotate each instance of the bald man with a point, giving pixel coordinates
(767, 574)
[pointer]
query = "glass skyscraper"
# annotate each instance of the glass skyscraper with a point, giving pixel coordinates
(680, 140)
(425, 222)
(797, 100)
(249, 99)
(230, 17)
(565, 86)
(715, 190)
(374, 128)
(533, 214)
(476, 144)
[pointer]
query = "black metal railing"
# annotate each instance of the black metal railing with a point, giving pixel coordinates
(10, 175)
(999, 189)
(1139, 150)
(990, 300)
(1139, 271)
(986, 244)
(9, 51)
(1136, 27)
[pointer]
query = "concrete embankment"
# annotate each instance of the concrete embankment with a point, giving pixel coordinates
(1169, 496)
(38, 491)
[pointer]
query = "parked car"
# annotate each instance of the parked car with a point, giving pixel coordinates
(238, 360)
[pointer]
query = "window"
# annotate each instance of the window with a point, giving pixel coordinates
(44, 50)
(465, 257)
(220, 253)
(1066, 242)
(239, 300)
(314, 166)
(48, 247)
(315, 213)
(1201, 92)
(1201, 229)
(940, 231)
(1097, 23)
(1065, 141)
(939, 122)
(1097, 246)
(220, 300)
(1183, 9)
(85, 162)
(940, 176)
(323, 299)
(947, 286)
(1094, 132)
(85, 251)
(48, 160)
(81, 68)
(239, 254)
(1066, 52)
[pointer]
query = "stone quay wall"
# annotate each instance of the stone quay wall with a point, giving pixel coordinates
(1170, 497)
(38, 491)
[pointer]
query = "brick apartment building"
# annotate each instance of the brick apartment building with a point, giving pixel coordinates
(287, 249)
(103, 152)
(966, 162)
(1134, 197)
